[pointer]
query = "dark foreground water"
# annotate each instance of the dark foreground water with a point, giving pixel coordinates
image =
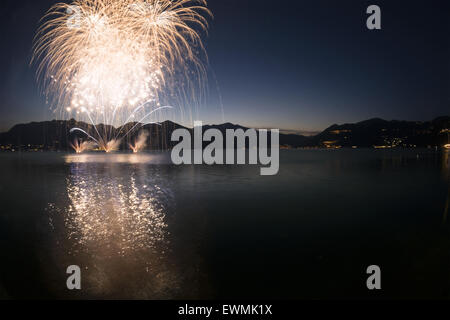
(140, 227)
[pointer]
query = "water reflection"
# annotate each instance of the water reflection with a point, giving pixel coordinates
(446, 176)
(141, 158)
(446, 164)
(115, 212)
(115, 228)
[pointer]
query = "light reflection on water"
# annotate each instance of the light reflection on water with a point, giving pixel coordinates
(219, 230)
(446, 164)
(115, 226)
(446, 176)
(141, 158)
(116, 212)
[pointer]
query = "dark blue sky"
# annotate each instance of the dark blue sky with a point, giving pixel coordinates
(300, 65)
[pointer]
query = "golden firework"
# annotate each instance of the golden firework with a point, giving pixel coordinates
(115, 61)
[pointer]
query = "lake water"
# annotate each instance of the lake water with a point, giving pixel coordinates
(142, 228)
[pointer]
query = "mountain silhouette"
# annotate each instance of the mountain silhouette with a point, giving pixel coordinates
(379, 132)
(57, 135)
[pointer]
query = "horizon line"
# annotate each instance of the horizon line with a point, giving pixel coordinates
(283, 131)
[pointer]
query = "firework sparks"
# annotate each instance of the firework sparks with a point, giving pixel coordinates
(140, 143)
(112, 61)
(82, 146)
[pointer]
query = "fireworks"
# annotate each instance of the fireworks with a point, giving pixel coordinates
(80, 147)
(140, 143)
(115, 61)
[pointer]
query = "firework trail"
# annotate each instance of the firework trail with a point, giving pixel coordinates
(114, 61)
(82, 146)
(141, 142)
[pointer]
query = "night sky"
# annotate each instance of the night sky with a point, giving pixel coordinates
(299, 65)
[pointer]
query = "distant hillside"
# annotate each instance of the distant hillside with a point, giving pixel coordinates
(56, 135)
(378, 132)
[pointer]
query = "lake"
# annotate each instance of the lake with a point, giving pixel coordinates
(142, 228)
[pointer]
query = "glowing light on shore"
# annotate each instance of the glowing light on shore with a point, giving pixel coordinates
(140, 143)
(113, 61)
(82, 146)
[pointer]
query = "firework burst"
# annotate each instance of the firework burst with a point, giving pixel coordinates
(115, 61)
(82, 146)
(140, 143)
